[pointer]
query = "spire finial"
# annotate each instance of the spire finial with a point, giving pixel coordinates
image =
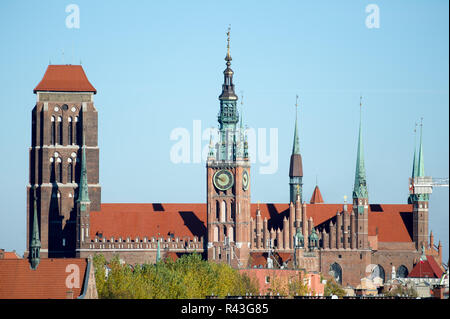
(360, 188)
(296, 147)
(228, 57)
(420, 164)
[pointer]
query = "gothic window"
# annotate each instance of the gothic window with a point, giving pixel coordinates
(402, 272)
(223, 211)
(233, 210)
(70, 172)
(53, 133)
(60, 131)
(336, 272)
(216, 234)
(217, 211)
(75, 131)
(52, 170)
(59, 173)
(70, 140)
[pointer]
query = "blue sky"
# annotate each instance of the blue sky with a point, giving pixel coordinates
(157, 66)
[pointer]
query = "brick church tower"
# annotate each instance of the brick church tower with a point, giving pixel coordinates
(228, 182)
(64, 116)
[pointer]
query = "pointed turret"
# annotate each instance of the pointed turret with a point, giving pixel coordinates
(360, 188)
(360, 193)
(296, 166)
(415, 161)
(228, 86)
(420, 164)
(35, 245)
(415, 169)
(83, 192)
(316, 197)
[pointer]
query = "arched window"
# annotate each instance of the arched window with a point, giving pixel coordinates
(223, 211)
(60, 131)
(336, 272)
(217, 211)
(233, 210)
(52, 170)
(402, 272)
(59, 173)
(70, 171)
(216, 234)
(75, 131)
(53, 133)
(378, 272)
(70, 136)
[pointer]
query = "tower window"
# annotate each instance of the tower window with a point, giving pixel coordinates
(70, 173)
(52, 171)
(60, 130)
(217, 211)
(53, 133)
(70, 140)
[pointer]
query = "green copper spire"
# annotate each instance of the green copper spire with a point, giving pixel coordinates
(35, 245)
(415, 161)
(296, 146)
(83, 192)
(360, 189)
(420, 165)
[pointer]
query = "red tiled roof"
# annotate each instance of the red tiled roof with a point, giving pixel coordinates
(316, 197)
(10, 255)
(426, 269)
(48, 281)
(67, 78)
(392, 222)
(147, 220)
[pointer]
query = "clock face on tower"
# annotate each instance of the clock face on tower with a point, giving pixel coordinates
(245, 180)
(223, 179)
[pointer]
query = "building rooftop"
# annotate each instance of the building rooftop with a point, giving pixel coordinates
(65, 78)
(53, 278)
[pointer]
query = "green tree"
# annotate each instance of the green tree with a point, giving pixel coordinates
(333, 288)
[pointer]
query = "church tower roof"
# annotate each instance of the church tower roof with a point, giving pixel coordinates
(228, 86)
(316, 197)
(65, 78)
(420, 165)
(296, 165)
(360, 188)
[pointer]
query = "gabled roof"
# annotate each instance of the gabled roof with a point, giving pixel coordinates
(65, 78)
(392, 222)
(426, 269)
(316, 197)
(48, 281)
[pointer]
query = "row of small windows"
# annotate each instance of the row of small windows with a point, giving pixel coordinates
(57, 130)
(56, 169)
